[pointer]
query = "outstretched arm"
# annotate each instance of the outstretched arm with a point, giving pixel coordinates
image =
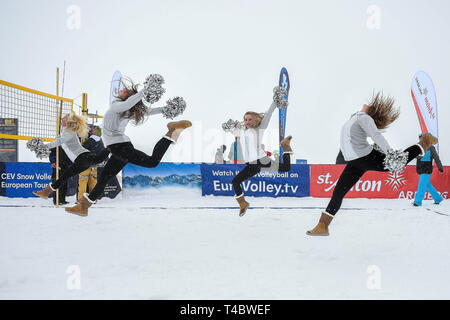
(121, 106)
(368, 125)
(152, 111)
(265, 121)
(59, 140)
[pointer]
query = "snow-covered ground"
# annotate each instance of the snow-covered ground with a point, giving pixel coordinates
(165, 244)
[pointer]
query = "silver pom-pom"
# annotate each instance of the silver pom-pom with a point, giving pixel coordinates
(278, 97)
(231, 125)
(174, 107)
(32, 144)
(42, 151)
(153, 90)
(395, 161)
(38, 147)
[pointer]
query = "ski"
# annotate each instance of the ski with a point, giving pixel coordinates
(283, 82)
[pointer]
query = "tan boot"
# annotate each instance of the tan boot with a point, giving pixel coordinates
(242, 204)
(427, 140)
(322, 227)
(286, 144)
(44, 193)
(81, 208)
(175, 129)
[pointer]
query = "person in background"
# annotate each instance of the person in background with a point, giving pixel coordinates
(219, 159)
(88, 177)
(64, 162)
(236, 148)
(424, 168)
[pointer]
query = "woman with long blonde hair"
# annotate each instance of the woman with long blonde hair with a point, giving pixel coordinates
(362, 157)
(73, 127)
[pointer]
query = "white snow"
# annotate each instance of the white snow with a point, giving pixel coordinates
(132, 248)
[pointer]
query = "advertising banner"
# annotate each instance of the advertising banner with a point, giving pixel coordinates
(217, 180)
(374, 184)
(425, 102)
(164, 175)
(20, 179)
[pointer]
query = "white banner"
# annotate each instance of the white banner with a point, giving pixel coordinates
(116, 86)
(424, 97)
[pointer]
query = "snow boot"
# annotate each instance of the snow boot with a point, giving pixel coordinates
(175, 129)
(427, 140)
(322, 227)
(81, 208)
(243, 205)
(44, 193)
(286, 145)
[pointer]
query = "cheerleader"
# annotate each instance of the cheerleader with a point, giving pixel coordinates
(73, 127)
(127, 106)
(255, 157)
(361, 156)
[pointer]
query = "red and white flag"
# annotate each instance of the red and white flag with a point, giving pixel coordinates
(424, 97)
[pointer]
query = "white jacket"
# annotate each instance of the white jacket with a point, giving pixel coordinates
(114, 125)
(70, 143)
(251, 138)
(354, 135)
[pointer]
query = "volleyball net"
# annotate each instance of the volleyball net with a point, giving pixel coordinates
(36, 113)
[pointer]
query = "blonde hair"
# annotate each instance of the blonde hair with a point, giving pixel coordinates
(77, 124)
(258, 117)
(382, 110)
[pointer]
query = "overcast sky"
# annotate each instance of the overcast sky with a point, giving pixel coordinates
(224, 58)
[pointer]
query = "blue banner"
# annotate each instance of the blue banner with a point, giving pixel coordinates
(164, 175)
(217, 180)
(20, 179)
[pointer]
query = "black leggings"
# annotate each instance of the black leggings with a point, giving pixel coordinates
(355, 169)
(81, 163)
(123, 153)
(252, 169)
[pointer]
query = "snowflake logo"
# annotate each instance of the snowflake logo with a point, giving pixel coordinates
(396, 180)
(425, 91)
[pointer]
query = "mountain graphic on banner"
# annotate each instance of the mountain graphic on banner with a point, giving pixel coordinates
(141, 181)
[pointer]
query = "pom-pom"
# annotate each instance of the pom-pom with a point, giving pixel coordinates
(231, 126)
(42, 151)
(38, 147)
(279, 94)
(174, 107)
(153, 90)
(32, 144)
(395, 161)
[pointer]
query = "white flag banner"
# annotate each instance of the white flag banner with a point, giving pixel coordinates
(424, 97)
(116, 86)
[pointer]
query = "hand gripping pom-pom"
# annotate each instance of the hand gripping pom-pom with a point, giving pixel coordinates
(278, 97)
(395, 161)
(377, 148)
(174, 107)
(153, 90)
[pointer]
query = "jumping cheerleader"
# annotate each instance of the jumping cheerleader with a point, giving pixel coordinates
(128, 106)
(362, 157)
(73, 127)
(254, 155)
